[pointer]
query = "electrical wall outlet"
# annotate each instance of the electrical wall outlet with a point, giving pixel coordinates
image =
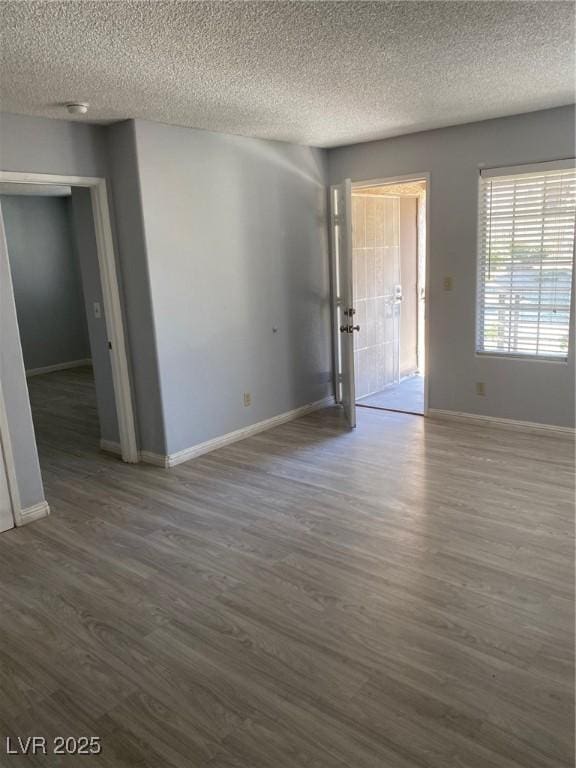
(448, 283)
(247, 399)
(480, 388)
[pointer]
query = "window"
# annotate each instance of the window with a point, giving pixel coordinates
(526, 253)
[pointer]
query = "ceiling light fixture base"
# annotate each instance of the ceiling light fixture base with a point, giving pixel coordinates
(77, 107)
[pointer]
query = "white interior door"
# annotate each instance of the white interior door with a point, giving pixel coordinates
(343, 291)
(6, 514)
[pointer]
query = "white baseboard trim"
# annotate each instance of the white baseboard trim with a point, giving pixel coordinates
(240, 434)
(171, 460)
(493, 421)
(35, 512)
(109, 446)
(58, 367)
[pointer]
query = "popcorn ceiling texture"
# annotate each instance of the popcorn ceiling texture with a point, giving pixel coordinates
(319, 73)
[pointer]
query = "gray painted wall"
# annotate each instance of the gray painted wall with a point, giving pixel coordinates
(46, 280)
(236, 237)
(40, 145)
(127, 205)
(534, 391)
(87, 257)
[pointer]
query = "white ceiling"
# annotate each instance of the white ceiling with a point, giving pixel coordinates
(320, 73)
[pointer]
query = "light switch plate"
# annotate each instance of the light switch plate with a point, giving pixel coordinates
(97, 310)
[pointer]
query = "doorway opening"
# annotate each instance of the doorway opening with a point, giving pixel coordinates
(69, 352)
(63, 345)
(389, 289)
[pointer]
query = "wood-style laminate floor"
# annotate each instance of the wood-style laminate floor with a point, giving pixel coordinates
(397, 597)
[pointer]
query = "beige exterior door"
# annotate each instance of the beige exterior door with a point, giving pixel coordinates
(377, 289)
(409, 281)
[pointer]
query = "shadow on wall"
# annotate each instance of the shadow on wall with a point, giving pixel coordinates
(293, 308)
(239, 252)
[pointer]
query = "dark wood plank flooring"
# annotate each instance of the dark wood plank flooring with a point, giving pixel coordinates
(397, 597)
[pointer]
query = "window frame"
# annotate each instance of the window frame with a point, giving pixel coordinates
(516, 170)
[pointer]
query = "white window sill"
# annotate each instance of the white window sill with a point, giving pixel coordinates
(524, 358)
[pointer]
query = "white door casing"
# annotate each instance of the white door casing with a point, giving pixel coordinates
(343, 298)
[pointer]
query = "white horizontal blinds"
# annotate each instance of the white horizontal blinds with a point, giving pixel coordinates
(527, 223)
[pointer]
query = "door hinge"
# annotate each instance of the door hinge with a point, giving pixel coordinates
(109, 345)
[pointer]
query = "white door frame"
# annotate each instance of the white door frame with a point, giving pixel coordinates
(342, 297)
(425, 176)
(110, 294)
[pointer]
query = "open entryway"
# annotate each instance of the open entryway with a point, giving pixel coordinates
(389, 277)
(379, 276)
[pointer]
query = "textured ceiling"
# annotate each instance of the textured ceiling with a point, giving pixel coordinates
(320, 73)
